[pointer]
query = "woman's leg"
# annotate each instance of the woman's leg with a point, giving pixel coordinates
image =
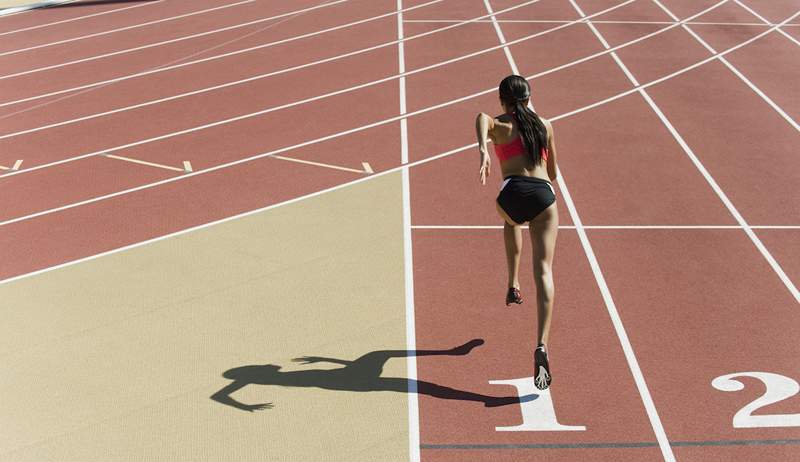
(512, 235)
(544, 229)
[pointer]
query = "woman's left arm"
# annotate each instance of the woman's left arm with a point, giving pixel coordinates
(484, 125)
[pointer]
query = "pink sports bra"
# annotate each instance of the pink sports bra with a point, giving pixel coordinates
(513, 149)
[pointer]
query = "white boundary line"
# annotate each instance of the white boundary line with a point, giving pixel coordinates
(143, 162)
(346, 90)
(618, 227)
(599, 21)
(765, 21)
(627, 348)
(175, 40)
(408, 259)
(135, 26)
(25, 8)
(320, 164)
(148, 3)
(700, 167)
(365, 127)
(733, 69)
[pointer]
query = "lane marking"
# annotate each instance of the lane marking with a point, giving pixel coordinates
(633, 364)
(408, 258)
(143, 162)
(194, 92)
(79, 17)
(16, 166)
(701, 168)
(367, 167)
(98, 34)
(26, 8)
(335, 93)
(765, 21)
(365, 127)
(501, 37)
(175, 40)
(319, 164)
(187, 166)
(733, 69)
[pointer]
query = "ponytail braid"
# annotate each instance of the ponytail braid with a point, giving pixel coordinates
(531, 130)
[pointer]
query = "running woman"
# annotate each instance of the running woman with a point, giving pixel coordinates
(524, 145)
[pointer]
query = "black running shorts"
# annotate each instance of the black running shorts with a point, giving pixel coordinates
(524, 197)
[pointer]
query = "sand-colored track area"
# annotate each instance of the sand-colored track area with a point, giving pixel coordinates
(116, 358)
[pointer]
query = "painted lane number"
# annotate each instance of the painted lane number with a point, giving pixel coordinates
(779, 388)
(538, 415)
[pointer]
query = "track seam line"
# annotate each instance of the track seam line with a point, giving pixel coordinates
(357, 129)
(733, 69)
(765, 21)
(135, 26)
(627, 347)
(701, 168)
(408, 259)
(80, 17)
(167, 42)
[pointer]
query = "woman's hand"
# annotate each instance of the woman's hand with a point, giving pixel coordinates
(486, 165)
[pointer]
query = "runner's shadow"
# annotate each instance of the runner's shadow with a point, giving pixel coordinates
(362, 374)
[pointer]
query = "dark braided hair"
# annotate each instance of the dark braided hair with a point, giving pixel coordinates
(514, 92)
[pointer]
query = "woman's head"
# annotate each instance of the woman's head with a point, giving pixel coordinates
(514, 90)
(515, 94)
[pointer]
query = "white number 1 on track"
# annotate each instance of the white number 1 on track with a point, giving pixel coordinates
(538, 415)
(779, 388)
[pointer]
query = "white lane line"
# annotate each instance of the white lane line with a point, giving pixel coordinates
(142, 162)
(408, 259)
(318, 164)
(135, 26)
(618, 227)
(201, 90)
(600, 21)
(765, 21)
(25, 8)
(367, 167)
(733, 69)
(501, 37)
(365, 127)
(80, 17)
(187, 166)
(627, 348)
(166, 42)
(330, 94)
(701, 168)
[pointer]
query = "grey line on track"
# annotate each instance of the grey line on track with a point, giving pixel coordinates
(643, 444)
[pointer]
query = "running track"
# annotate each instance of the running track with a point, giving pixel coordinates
(677, 259)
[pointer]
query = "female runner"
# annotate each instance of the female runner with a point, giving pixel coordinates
(524, 145)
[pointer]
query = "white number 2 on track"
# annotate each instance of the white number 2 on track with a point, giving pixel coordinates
(539, 414)
(779, 388)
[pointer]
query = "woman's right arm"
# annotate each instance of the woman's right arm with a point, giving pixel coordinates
(552, 171)
(484, 125)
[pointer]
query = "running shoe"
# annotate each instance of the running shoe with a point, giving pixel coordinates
(513, 296)
(541, 370)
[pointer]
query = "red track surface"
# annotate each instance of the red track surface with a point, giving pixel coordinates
(695, 303)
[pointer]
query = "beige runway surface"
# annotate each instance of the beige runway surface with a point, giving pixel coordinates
(116, 358)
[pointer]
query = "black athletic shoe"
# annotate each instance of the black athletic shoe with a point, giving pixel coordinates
(541, 369)
(513, 296)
